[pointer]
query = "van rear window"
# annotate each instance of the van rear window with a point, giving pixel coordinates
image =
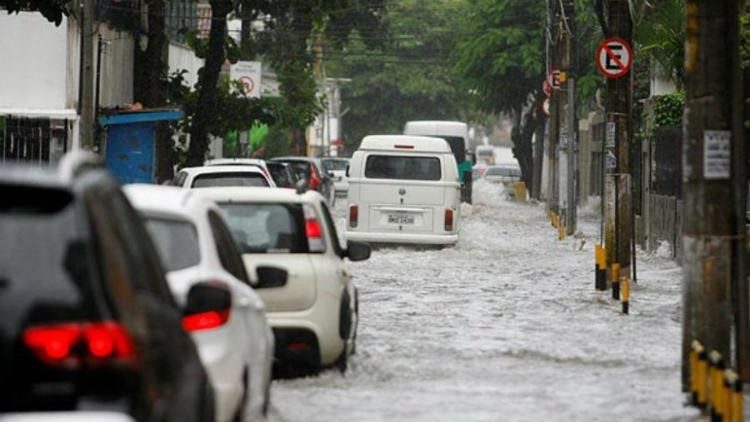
(402, 167)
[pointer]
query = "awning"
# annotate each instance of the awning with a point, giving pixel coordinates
(140, 117)
(50, 113)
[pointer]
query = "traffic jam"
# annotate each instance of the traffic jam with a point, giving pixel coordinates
(186, 301)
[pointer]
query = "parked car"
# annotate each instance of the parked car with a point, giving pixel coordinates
(199, 253)
(282, 174)
(504, 174)
(311, 169)
(403, 189)
(337, 167)
(233, 175)
(87, 320)
(82, 416)
(256, 162)
(314, 313)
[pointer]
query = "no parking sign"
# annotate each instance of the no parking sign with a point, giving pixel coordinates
(614, 58)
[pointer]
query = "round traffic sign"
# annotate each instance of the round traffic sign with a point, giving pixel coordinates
(614, 58)
(247, 84)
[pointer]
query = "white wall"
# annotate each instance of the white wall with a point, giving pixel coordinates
(35, 72)
(182, 57)
(117, 67)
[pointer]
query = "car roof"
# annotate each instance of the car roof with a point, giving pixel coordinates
(296, 158)
(436, 127)
(257, 194)
(170, 200)
(223, 169)
(404, 143)
(17, 173)
(234, 162)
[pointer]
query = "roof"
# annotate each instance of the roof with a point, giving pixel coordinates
(223, 169)
(164, 199)
(256, 194)
(436, 127)
(235, 162)
(140, 117)
(404, 143)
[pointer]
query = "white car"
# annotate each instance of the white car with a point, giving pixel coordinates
(337, 166)
(314, 313)
(232, 175)
(256, 162)
(403, 189)
(505, 174)
(201, 258)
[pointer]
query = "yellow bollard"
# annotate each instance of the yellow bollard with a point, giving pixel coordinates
(716, 385)
(736, 400)
(615, 279)
(561, 231)
(625, 296)
(520, 191)
(698, 374)
(601, 267)
(554, 220)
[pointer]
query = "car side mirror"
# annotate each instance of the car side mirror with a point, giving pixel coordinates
(358, 251)
(271, 277)
(208, 305)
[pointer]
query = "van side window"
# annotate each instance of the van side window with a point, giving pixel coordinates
(402, 167)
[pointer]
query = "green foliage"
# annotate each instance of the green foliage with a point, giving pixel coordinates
(503, 61)
(52, 10)
(278, 141)
(409, 76)
(668, 110)
(660, 35)
(745, 37)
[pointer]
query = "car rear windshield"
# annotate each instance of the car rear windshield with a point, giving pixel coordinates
(266, 228)
(45, 263)
(334, 165)
(301, 169)
(503, 171)
(402, 167)
(229, 179)
(176, 241)
(281, 175)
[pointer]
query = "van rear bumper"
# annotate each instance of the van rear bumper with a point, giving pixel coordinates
(410, 238)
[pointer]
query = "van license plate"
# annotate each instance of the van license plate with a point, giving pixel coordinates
(400, 219)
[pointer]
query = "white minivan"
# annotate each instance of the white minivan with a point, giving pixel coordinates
(403, 189)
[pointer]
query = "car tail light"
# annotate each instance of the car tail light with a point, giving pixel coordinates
(313, 230)
(314, 179)
(205, 320)
(353, 215)
(448, 220)
(69, 344)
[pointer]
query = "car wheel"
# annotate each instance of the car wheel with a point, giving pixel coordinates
(356, 321)
(241, 411)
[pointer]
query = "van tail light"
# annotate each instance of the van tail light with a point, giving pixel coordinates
(74, 343)
(353, 216)
(205, 320)
(313, 230)
(448, 220)
(314, 179)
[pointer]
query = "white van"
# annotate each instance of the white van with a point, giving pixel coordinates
(403, 189)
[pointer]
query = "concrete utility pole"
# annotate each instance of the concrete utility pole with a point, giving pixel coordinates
(617, 190)
(553, 192)
(87, 107)
(568, 148)
(715, 294)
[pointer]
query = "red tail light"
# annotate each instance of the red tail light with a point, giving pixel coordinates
(448, 220)
(353, 215)
(314, 179)
(313, 230)
(205, 320)
(58, 343)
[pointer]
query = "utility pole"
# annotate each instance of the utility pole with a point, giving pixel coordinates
(87, 108)
(553, 192)
(568, 147)
(617, 190)
(715, 295)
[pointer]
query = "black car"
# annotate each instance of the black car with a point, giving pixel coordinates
(87, 320)
(311, 169)
(282, 174)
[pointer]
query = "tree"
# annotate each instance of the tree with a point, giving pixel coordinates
(503, 64)
(409, 76)
(52, 10)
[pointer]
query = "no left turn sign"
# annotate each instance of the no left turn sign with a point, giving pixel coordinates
(614, 58)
